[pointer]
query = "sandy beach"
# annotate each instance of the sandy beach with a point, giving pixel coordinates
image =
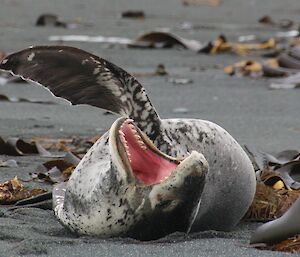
(252, 113)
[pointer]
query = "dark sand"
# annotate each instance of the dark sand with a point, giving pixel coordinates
(253, 114)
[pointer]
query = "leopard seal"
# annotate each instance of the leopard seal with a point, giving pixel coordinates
(83, 78)
(124, 186)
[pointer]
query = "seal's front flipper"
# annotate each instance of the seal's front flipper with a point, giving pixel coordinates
(83, 78)
(58, 196)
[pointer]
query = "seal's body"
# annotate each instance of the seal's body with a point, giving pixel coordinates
(109, 195)
(230, 183)
(83, 78)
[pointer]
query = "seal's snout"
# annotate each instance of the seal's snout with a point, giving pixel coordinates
(193, 165)
(179, 196)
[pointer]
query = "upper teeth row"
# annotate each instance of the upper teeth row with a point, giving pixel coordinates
(123, 139)
(136, 135)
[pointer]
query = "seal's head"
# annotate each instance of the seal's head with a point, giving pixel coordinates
(125, 186)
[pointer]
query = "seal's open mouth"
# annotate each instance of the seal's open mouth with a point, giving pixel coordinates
(148, 164)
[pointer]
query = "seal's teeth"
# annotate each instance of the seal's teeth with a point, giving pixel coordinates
(126, 147)
(140, 142)
(142, 145)
(137, 137)
(121, 133)
(163, 179)
(129, 120)
(132, 127)
(123, 139)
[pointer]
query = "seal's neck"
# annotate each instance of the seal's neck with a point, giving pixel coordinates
(139, 107)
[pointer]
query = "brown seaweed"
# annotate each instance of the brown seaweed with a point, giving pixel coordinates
(56, 171)
(12, 191)
(278, 184)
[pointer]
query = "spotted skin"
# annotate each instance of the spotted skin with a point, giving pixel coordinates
(83, 78)
(88, 206)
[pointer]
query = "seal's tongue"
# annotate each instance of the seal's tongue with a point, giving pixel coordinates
(149, 167)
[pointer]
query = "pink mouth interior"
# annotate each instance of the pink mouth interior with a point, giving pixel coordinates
(148, 166)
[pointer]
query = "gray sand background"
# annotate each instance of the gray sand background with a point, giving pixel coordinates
(253, 114)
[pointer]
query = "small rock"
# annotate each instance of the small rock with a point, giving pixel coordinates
(50, 20)
(133, 14)
(161, 70)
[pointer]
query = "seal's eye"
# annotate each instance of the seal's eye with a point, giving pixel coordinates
(164, 204)
(148, 164)
(167, 205)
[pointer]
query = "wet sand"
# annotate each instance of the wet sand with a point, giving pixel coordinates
(245, 107)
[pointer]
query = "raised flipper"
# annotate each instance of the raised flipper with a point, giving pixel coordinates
(83, 78)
